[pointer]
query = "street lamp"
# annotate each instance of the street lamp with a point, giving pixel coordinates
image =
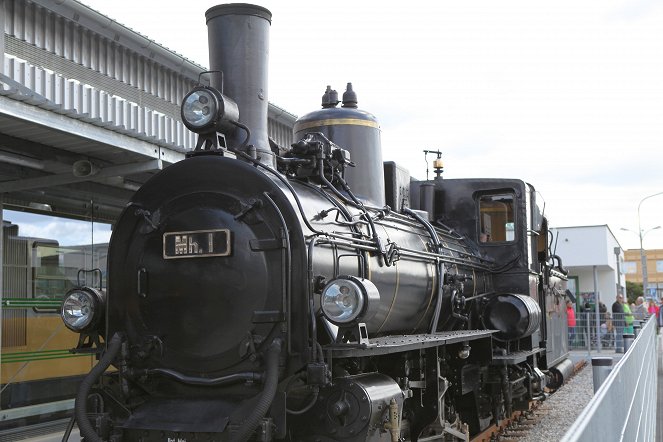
(643, 256)
(641, 234)
(643, 259)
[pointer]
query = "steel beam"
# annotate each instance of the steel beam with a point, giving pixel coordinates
(62, 123)
(68, 178)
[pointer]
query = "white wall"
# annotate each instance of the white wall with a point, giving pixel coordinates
(581, 248)
(606, 282)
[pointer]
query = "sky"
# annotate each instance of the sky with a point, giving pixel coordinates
(566, 95)
(68, 232)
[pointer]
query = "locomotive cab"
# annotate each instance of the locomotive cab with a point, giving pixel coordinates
(496, 214)
(503, 219)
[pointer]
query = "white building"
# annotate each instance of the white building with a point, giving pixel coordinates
(594, 259)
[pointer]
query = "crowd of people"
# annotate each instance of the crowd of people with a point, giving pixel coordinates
(612, 325)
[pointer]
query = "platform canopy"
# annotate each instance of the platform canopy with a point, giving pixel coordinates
(89, 110)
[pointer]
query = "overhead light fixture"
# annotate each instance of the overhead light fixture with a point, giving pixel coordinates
(40, 206)
(83, 168)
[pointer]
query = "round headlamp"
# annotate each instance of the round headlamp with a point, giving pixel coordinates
(82, 309)
(347, 299)
(199, 108)
(205, 110)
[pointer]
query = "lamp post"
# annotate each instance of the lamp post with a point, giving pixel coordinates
(618, 252)
(641, 235)
(643, 256)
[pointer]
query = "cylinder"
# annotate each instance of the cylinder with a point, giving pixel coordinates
(560, 373)
(238, 47)
(628, 341)
(354, 408)
(601, 368)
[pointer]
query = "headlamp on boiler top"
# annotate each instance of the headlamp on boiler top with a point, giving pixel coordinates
(205, 110)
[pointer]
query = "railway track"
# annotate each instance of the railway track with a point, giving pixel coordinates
(519, 425)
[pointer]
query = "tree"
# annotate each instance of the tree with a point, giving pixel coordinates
(633, 290)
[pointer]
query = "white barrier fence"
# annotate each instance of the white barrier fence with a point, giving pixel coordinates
(624, 407)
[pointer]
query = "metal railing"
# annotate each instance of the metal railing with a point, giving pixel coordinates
(624, 407)
(610, 327)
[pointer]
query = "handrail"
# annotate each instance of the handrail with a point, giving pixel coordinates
(41, 355)
(30, 303)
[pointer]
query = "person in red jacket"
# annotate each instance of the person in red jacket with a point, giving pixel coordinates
(654, 310)
(571, 321)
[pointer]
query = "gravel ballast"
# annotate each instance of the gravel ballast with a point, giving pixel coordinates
(561, 409)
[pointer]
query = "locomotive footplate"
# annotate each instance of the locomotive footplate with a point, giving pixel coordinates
(399, 343)
(515, 357)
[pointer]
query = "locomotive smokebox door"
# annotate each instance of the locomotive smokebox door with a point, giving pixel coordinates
(203, 263)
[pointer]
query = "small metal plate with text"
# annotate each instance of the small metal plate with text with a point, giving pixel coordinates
(196, 244)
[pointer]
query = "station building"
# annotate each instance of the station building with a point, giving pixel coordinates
(633, 270)
(595, 262)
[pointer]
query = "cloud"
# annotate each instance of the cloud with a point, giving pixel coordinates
(66, 232)
(634, 10)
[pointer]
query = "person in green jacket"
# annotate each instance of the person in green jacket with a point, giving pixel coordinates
(628, 318)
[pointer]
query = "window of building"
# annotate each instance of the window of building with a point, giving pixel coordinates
(659, 266)
(44, 257)
(496, 218)
(630, 267)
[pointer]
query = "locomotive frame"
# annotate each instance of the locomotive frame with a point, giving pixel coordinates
(313, 304)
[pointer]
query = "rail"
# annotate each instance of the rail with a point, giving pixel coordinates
(624, 407)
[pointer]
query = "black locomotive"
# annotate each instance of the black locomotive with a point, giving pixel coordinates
(313, 293)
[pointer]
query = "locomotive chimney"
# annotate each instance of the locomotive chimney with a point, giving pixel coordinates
(238, 46)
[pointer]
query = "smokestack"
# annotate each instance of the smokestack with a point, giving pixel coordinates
(239, 47)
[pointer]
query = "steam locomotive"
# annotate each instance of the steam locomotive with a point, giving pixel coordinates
(313, 292)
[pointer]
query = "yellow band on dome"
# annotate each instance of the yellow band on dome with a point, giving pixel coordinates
(335, 122)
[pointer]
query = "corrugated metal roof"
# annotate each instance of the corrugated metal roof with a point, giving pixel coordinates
(45, 127)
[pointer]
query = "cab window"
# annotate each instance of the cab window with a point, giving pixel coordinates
(496, 218)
